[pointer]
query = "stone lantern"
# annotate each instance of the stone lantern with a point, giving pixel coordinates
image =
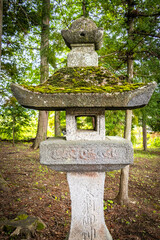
(83, 89)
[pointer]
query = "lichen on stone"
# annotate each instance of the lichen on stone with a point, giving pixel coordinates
(83, 80)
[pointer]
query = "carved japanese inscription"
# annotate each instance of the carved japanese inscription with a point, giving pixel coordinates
(89, 216)
(74, 154)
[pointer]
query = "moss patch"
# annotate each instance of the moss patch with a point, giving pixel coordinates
(21, 217)
(83, 80)
(40, 226)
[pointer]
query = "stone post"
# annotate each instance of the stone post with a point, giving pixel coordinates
(87, 191)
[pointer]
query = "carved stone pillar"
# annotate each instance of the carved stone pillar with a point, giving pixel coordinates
(87, 191)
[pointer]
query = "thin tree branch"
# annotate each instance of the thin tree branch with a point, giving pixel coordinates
(140, 14)
(135, 13)
(147, 34)
(33, 48)
(25, 14)
(108, 54)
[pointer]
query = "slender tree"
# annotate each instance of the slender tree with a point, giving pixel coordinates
(57, 124)
(122, 196)
(144, 127)
(44, 70)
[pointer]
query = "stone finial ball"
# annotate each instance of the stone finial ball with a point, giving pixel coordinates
(83, 24)
(83, 31)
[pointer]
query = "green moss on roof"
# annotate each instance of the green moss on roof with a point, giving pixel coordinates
(83, 80)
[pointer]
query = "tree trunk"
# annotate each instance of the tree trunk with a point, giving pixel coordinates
(1, 21)
(144, 130)
(43, 115)
(84, 8)
(42, 128)
(122, 197)
(57, 124)
(13, 132)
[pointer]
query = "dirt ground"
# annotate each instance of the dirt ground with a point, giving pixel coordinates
(42, 192)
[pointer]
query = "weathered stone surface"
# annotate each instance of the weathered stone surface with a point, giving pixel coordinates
(60, 101)
(72, 133)
(87, 190)
(86, 156)
(83, 23)
(83, 30)
(82, 55)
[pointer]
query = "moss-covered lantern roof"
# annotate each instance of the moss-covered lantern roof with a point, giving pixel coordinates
(83, 80)
(84, 87)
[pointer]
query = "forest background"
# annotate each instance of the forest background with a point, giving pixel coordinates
(21, 54)
(32, 49)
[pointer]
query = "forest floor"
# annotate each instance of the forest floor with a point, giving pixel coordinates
(44, 193)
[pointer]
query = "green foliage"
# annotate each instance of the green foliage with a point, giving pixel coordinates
(21, 21)
(19, 18)
(154, 142)
(153, 139)
(143, 45)
(85, 122)
(14, 119)
(153, 112)
(114, 123)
